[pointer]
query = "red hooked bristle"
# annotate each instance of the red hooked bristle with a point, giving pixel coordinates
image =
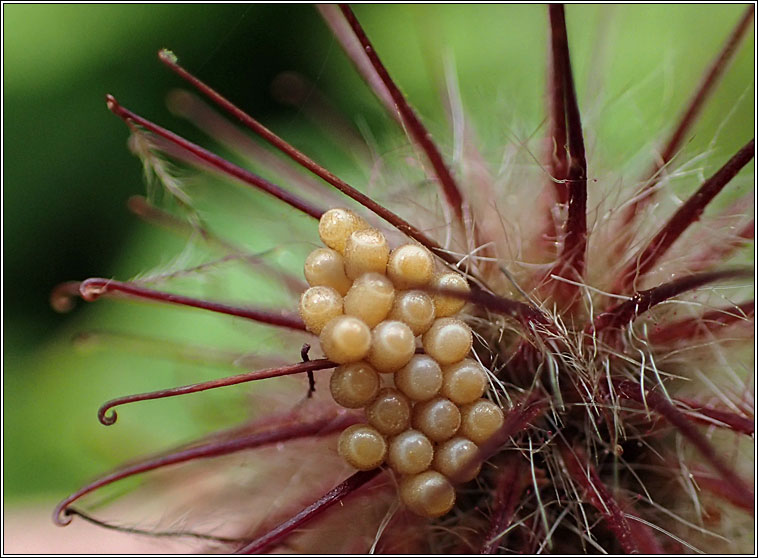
(215, 161)
(92, 289)
(69, 512)
(108, 419)
(291, 429)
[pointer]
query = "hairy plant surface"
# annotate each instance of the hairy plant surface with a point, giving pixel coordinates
(615, 328)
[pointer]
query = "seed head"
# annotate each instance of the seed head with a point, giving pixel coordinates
(506, 377)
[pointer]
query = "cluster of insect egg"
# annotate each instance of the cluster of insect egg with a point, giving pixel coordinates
(425, 412)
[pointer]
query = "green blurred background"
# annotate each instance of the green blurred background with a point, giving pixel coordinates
(68, 172)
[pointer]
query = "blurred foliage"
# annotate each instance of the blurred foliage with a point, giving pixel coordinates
(67, 173)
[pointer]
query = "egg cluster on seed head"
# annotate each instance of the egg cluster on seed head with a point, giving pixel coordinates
(371, 307)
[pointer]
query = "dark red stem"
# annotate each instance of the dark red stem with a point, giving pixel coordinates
(691, 113)
(740, 491)
(281, 531)
(303, 160)
(92, 289)
(570, 155)
(415, 128)
(520, 311)
(278, 434)
(692, 328)
(585, 475)
(558, 157)
(215, 161)
(727, 419)
(626, 312)
(685, 216)
(110, 418)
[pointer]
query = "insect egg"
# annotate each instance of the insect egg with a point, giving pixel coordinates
(372, 331)
(325, 266)
(319, 305)
(392, 346)
(362, 447)
(410, 266)
(464, 382)
(390, 412)
(336, 226)
(438, 418)
(420, 379)
(480, 420)
(366, 250)
(428, 494)
(445, 306)
(345, 339)
(448, 340)
(354, 385)
(370, 298)
(454, 459)
(410, 452)
(415, 308)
